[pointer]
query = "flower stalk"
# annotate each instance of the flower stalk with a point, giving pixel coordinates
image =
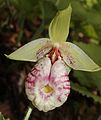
(28, 113)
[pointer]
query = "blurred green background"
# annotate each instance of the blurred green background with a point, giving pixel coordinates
(24, 20)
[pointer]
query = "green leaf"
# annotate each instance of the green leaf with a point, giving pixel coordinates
(32, 50)
(90, 3)
(59, 27)
(82, 14)
(60, 4)
(91, 80)
(1, 1)
(2, 117)
(92, 50)
(85, 92)
(48, 10)
(25, 6)
(77, 59)
(90, 31)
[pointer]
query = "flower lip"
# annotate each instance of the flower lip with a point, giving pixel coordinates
(51, 86)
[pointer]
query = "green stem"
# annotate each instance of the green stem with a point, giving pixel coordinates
(21, 25)
(28, 113)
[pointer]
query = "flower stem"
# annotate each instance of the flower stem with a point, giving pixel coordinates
(28, 113)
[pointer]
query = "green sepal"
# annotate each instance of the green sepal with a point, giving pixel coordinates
(59, 27)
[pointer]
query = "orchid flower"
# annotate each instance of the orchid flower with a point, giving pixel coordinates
(47, 85)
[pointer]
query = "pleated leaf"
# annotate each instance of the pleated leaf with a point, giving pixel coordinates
(85, 92)
(32, 50)
(59, 27)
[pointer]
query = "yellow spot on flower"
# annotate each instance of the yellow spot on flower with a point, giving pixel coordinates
(47, 89)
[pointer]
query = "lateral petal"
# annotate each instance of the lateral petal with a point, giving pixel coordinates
(76, 58)
(32, 51)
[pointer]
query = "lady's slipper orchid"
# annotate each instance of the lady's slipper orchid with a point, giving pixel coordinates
(47, 85)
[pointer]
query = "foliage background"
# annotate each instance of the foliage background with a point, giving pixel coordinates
(24, 20)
